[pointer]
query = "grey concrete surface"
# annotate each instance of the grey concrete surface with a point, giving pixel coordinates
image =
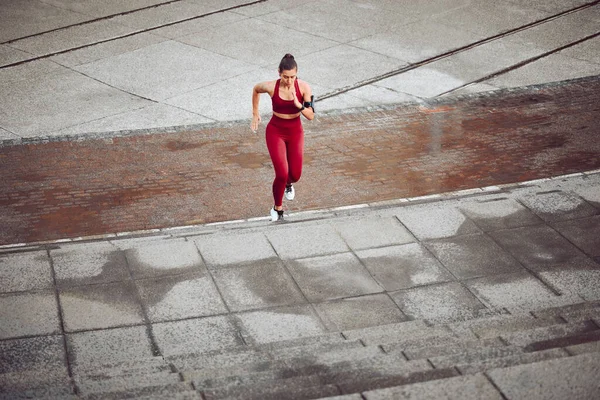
(468, 387)
(403, 267)
(381, 273)
(471, 256)
(113, 67)
(256, 272)
(521, 382)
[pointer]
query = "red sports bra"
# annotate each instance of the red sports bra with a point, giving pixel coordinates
(282, 106)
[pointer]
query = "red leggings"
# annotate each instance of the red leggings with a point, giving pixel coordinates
(285, 141)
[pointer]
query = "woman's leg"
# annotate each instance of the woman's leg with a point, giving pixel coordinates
(277, 151)
(295, 154)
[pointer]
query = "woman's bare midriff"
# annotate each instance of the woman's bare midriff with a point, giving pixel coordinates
(286, 116)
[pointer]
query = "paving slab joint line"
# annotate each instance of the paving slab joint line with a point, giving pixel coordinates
(380, 204)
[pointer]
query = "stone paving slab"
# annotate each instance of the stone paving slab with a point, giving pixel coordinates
(583, 233)
(509, 361)
(223, 106)
(472, 256)
(448, 347)
(152, 115)
(44, 393)
(25, 271)
(547, 379)
(435, 336)
(100, 306)
(404, 328)
(30, 18)
(558, 206)
(577, 311)
(28, 314)
(539, 247)
(306, 241)
(580, 280)
(273, 393)
(155, 363)
(463, 387)
(359, 312)
(499, 213)
(518, 292)
(109, 346)
(259, 284)
(332, 277)
(180, 296)
(30, 354)
(365, 233)
(196, 335)
(199, 25)
(584, 348)
(534, 335)
(121, 383)
(183, 395)
(489, 17)
(71, 37)
(169, 13)
(148, 72)
(223, 40)
(351, 386)
(27, 380)
(491, 327)
(280, 324)
(95, 263)
(435, 221)
(547, 69)
(403, 267)
(157, 392)
(477, 355)
(226, 249)
(64, 97)
(440, 303)
(164, 258)
(412, 42)
(580, 338)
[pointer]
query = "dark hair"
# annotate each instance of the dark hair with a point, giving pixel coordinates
(287, 63)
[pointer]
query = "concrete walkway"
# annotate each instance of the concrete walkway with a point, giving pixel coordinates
(73, 67)
(488, 292)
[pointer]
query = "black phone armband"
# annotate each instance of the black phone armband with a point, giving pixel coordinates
(310, 103)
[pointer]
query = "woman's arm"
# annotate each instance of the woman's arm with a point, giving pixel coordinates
(263, 87)
(308, 112)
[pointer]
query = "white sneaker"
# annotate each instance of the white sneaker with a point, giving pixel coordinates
(276, 215)
(290, 193)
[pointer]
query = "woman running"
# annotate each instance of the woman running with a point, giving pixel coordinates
(285, 136)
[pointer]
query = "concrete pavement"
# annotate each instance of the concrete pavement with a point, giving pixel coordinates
(488, 292)
(69, 68)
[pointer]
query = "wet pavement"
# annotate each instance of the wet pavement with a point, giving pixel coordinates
(100, 185)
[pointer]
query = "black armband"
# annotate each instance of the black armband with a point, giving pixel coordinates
(310, 103)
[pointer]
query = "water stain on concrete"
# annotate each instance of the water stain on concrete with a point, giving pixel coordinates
(113, 270)
(179, 145)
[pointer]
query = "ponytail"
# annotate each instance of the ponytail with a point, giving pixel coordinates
(287, 63)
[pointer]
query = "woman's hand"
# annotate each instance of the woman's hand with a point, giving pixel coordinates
(255, 122)
(297, 103)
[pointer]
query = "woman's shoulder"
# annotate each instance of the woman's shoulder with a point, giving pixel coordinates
(304, 86)
(266, 86)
